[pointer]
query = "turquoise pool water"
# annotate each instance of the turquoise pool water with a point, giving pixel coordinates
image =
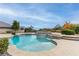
(32, 42)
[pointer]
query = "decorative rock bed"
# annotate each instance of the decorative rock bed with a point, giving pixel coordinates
(76, 38)
(68, 37)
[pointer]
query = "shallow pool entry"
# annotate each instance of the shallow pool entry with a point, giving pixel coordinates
(32, 43)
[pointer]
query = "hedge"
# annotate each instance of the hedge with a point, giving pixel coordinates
(68, 32)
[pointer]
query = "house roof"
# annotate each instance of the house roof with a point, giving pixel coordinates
(4, 25)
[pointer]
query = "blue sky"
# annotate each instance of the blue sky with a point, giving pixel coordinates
(40, 15)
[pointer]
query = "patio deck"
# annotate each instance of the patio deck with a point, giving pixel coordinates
(63, 48)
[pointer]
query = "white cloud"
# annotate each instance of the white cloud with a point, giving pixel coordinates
(42, 15)
(45, 18)
(6, 11)
(35, 14)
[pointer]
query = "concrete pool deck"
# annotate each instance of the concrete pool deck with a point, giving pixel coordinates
(5, 35)
(63, 48)
(10, 35)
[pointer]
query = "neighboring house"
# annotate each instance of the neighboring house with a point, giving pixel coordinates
(5, 27)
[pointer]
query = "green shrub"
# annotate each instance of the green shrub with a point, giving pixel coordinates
(8, 32)
(3, 45)
(68, 32)
(77, 30)
(13, 33)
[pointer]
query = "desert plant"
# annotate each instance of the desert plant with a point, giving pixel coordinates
(68, 32)
(3, 45)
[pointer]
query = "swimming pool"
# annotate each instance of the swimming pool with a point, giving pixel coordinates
(32, 43)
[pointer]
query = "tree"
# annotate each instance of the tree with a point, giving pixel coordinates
(29, 29)
(57, 27)
(67, 25)
(15, 25)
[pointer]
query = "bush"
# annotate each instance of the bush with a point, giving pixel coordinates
(13, 33)
(68, 32)
(3, 45)
(8, 32)
(77, 30)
